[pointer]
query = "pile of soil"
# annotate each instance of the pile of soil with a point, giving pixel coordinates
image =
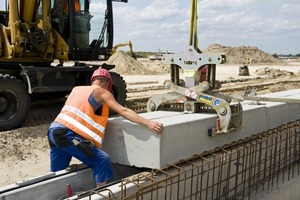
(238, 55)
(158, 67)
(128, 65)
(234, 55)
(273, 73)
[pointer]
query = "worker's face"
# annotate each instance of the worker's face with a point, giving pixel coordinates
(102, 82)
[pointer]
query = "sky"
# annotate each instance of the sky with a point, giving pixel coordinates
(270, 25)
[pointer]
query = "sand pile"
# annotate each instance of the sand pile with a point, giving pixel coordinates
(158, 67)
(234, 55)
(127, 65)
(238, 55)
(273, 73)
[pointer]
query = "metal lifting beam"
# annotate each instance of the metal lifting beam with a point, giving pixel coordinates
(194, 94)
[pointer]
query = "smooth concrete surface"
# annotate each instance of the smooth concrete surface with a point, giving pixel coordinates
(184, 135)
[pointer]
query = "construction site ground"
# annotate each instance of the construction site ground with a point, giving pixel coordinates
(24, 152)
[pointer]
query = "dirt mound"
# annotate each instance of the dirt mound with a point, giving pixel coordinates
(158, 67)
(127, 65)
(273, 73)
(234, 55)
(238, 55)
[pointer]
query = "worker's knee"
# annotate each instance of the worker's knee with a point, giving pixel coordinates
(103, 161)
(103, 158)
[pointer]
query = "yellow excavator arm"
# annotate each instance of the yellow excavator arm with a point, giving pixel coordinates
(27, 32)
(114, 49)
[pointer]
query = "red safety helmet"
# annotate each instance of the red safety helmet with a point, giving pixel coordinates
(100, 72)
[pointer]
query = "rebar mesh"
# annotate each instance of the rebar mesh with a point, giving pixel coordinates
(235, 171)
(239, 170)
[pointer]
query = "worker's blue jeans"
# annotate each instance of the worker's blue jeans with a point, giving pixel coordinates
(64, 146)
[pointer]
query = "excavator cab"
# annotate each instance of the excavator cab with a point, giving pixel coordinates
(40, 31)
(84, 32)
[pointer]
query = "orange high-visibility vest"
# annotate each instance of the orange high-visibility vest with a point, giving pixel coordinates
(78, 115)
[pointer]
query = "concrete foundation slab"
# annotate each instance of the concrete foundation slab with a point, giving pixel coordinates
(186, 134)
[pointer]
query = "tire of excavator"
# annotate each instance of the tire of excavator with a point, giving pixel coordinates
(14, 102)
(119, 90)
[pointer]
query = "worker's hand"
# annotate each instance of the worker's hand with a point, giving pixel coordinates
(156, 127)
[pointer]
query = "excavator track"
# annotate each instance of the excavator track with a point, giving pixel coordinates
(44, 112)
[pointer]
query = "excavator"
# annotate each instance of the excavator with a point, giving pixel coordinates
(129, 44)
(36, 33)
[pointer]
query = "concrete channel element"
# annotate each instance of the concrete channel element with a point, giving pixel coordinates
(49, 186)
(187, 134)
(129, 144)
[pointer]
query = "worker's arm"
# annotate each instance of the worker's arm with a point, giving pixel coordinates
(102, 95)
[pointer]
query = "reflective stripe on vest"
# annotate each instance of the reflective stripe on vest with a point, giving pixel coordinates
(80, 126)
(84, 117)
(79, 116)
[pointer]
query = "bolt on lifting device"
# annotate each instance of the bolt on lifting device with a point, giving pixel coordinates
(195, 95)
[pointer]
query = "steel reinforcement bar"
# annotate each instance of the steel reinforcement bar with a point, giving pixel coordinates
(238, 170)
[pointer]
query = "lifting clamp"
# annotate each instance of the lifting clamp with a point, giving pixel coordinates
(196, 100)
(194, 95)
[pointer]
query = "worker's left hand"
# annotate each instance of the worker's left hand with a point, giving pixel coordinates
(156, 127)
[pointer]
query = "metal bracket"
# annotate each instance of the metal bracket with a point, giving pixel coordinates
(191, 100)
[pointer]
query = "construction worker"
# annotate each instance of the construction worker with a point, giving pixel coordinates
(79, 128)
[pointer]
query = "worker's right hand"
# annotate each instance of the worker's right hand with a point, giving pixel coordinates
(156, 127)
